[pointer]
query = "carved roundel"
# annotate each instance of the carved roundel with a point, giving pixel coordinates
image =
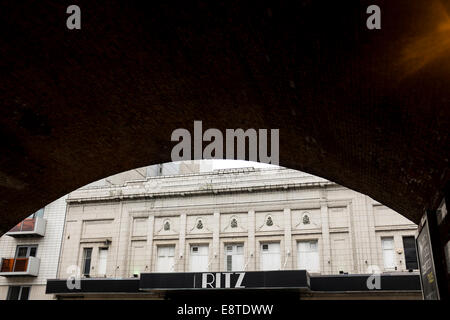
(305, 219)
(269, 221)
(199, 224)
(233, 223)
(166, 226)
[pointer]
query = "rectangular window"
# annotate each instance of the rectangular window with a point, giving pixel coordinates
(32, 252)
(18, 293)
(409, 247)
(308, 256)
(21, 262)
(199, 258)
(229, 263)
(39, 213)
(166, 259)
(26, 251)
(270, 256)
(234, 257)
(102, 261)
(87, 255)
(387, 245)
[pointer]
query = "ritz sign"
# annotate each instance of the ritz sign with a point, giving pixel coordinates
(222, 280)
(213, 280)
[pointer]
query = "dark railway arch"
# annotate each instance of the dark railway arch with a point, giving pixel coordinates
(369, 109)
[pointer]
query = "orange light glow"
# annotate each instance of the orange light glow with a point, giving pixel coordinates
(431, 45)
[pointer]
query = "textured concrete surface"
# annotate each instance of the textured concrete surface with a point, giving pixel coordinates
(366, 109)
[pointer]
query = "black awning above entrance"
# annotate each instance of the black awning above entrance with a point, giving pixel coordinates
(93, 285)
(291, 280)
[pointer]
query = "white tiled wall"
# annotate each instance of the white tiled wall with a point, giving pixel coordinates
(48, 252)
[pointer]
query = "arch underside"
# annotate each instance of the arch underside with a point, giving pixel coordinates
(367, 109)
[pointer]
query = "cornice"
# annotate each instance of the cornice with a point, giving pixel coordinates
(117, 194)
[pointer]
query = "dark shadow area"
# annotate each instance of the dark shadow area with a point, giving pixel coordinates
(366, 109)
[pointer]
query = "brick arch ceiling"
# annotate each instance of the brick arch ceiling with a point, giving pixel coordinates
(366, 109)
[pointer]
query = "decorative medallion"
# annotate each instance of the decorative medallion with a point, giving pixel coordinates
(306, 219)
(166, 226)
(199, 224)
(234, 223)
(269, 221)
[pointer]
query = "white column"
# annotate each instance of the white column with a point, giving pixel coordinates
(251, 253)
(372, 234)
(215, 265)
(287, 262)
(181, 258)
(354, 233)
(71, 248)
(363, 233)
(326, 245)
(150, 265)
(122, 241)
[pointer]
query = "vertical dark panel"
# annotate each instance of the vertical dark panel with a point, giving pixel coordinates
(409, 247)
(87, 261)
(13, 293)
(25, 293)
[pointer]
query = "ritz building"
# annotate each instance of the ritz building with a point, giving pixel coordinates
(232, 220)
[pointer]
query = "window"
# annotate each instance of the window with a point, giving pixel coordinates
(270, 256)
(87, 255)
(234, 257)
(39, 213)
(26, 251)
(199, 258)
(18, 293)
(102, 261)
(409, 247)
(308, 256)
(20, 263)
(387, 245)
(166, 259)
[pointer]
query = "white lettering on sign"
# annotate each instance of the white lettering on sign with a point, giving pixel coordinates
(211, 280)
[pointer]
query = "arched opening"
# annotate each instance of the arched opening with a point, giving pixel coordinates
(365, 109)
(158, 224)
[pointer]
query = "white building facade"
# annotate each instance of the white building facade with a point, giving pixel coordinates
(29, 253)
(231, 220)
